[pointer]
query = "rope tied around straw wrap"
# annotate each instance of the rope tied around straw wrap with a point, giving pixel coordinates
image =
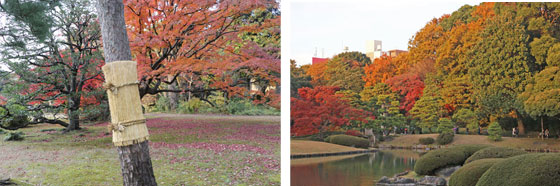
(114, 88)
(120, 126)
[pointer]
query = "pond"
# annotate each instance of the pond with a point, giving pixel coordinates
(360, 169)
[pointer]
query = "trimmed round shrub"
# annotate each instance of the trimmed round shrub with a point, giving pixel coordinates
(445, 138)
(542, 169)
(426, 141)
(495, 152)
(469, 174)
(347, 140)
(446, 157)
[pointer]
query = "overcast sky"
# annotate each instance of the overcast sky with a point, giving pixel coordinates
(333, 24)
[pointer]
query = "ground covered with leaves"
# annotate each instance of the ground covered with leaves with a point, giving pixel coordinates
(185, 150)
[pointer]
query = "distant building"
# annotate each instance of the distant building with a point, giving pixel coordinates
(316, 60)
(395, 52)
(374, 49)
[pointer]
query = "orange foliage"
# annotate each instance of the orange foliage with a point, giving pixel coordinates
(380, 70)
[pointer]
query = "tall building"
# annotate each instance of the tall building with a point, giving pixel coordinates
(374, 49)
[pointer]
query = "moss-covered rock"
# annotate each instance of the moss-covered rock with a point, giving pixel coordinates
(440, 158)
(541, 169)
(495, 152)
(469, 174)
(348, 140)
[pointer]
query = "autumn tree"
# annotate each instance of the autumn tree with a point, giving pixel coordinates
(381, 70)
(409, 86)
(320, 109)
(220, 45)
(53, 48)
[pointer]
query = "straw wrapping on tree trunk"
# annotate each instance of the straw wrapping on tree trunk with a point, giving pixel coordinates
(127, 121)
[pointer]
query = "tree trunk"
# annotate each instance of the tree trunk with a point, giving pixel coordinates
(136, 164)
(73, 114)
(520, 125)
(135, 159)
(173, 96)
(74, 120)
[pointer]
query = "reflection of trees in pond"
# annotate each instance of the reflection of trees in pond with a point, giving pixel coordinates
(358, 170)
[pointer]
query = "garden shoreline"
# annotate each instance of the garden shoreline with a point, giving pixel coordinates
(312, 155)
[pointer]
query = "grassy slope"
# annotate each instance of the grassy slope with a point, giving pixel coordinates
(522, 143)
(312, 147)
(185, 150)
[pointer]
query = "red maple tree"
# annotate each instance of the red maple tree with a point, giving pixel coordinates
(320, 110)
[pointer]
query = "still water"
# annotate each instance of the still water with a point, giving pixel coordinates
(362, 169)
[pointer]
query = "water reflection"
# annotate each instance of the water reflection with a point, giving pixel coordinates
(361, 169)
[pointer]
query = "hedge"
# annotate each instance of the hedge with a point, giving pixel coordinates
(495, 152)
(469, 174)
(445, 138)
(541, 169)
(347, 140)
(441, 158)
(426, 141)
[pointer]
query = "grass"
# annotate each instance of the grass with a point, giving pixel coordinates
(313, 147)
(185, 150)
(520, 143)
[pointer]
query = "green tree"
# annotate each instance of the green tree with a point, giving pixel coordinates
(500, 67)
(298, 78)
(55, 51)
(542, 96)
(345, 73)
(466, 118)
(445, 125)
(495, 131)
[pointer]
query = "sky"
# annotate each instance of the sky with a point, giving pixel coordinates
(333, 24)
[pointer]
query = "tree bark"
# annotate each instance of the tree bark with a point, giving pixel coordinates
(136, 164)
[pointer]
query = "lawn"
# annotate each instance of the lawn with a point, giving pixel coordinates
(521, 143)
(314, 147)
(185, 150)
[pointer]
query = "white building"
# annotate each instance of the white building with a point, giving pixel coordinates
(374, 49)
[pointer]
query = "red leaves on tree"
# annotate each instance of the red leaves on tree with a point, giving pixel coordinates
(320, 109)
(409, 87)
(380, 70)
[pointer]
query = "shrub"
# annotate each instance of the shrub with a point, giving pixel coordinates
(2, 131)
(353, 133)
(469, 174)
(15, 122)
(440, 158)
(495, 152)
(445, 138)
(495, 131)
(98, 112)
(524, 170)
(347, 140)
(162, 104)
(426, 141)
(191, 106)
(445, 125)
(14, 136)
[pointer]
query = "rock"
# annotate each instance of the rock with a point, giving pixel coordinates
(384, 179)
(432, 181)
(446, 172)
(404, 181)
(401, 174)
